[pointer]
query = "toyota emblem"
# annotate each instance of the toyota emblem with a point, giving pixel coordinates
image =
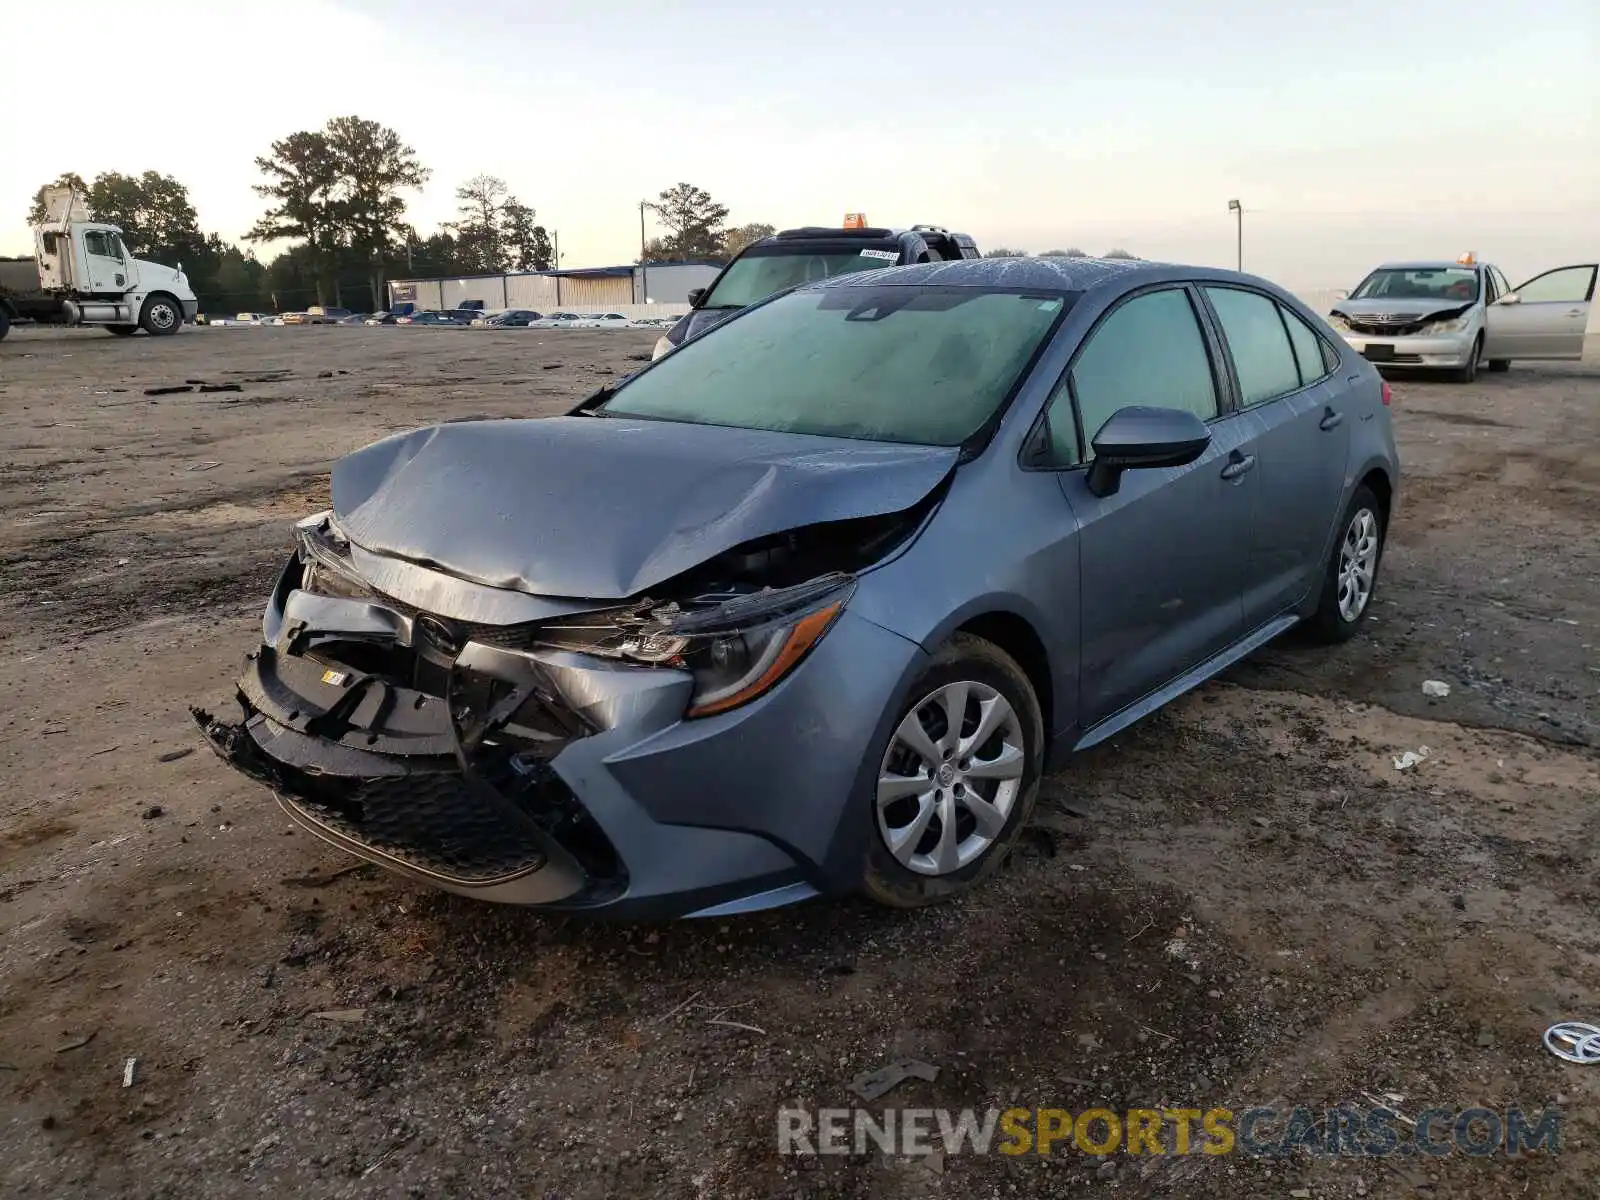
(1574, 1041)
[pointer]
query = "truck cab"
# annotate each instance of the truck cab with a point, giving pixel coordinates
(797, 256)
(86, 276)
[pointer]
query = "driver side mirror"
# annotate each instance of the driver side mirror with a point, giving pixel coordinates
(1509, 298)
(695, 296)
(1141, 437)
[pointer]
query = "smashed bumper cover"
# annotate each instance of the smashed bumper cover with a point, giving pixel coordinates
(552, 778)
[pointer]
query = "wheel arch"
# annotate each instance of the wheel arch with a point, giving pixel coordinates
(1016, 635)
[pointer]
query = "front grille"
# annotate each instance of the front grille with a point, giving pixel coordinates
(1386, 326)
(434, 823)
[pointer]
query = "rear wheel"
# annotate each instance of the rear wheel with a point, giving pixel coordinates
(5, 324)
(160, 316)
(1352, 571)
(122, 330)
(957, 779)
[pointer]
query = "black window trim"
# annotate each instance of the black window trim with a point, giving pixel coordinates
(1233, 375)
(1035, 445)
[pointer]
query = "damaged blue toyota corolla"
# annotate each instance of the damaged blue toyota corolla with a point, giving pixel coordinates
(809, 605)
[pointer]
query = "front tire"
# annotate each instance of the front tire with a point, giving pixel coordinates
(1351, 575)
(957, 779)
(5, 324)
(161, 316)
(1469, 372)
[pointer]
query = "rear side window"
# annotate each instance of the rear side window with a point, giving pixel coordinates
(1309, 350)
(1150, 351)
(1262, 356)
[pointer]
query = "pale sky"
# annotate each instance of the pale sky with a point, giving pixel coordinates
(1353, 131)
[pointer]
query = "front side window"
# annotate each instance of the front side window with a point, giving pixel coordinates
(925, 365)
(1447, 285)
(1500, 283)
(1569, 285)
(96, 242)
(759, 274)
(1148, 352)
(1258, 342)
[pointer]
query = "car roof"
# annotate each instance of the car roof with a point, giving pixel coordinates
(1046, 274)
(1432, 264)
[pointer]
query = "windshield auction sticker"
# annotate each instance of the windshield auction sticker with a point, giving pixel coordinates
(888, 255)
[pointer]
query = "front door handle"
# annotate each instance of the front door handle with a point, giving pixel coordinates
(1330, 420)
(1238, 466)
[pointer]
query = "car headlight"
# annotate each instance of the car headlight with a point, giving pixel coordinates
(1453, 325)
(1338, 322)
(737, 647)
(663, 346)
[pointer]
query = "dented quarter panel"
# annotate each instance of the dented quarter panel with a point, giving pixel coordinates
(605, 507)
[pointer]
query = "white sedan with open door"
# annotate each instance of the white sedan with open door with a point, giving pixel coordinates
(1456, 316)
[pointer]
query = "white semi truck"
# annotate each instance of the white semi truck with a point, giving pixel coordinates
(84, 275)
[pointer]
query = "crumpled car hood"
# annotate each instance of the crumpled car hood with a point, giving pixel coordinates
(605, 507)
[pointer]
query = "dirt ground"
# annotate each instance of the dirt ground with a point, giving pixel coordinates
(1240, 901)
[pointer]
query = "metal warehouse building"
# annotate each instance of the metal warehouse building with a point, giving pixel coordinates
(586, 288)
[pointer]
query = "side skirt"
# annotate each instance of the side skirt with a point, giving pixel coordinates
(1217, 663)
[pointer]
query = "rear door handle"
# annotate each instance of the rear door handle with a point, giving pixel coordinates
(1238, 466)
(1330, 420)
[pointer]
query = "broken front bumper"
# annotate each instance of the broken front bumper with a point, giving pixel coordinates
(554, 778)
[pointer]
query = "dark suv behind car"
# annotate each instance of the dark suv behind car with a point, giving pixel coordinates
(797, 256)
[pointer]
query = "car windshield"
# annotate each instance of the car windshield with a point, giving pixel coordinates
(1419, 283)
(925, 365)
(758, 275)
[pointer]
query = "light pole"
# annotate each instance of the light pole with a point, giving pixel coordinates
(555, 250)
(644, 258)
(1238, 210)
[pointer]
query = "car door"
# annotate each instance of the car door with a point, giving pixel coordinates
(1546, 317)
(1300, 415)
(1160, 558)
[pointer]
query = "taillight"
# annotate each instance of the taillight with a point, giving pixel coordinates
(1387, 394)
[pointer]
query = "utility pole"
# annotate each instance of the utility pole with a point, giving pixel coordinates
(555, 250)
(644, 268)
(1238, 210)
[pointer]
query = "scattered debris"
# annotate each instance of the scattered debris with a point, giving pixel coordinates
(350, 1016)
(175, 755)
(737, 1025)
(552, 366)
(204, 466)
(1436, 689)
(1404, 762)
(107, 750)
(77, 1043)
(872, 1084)
(317, 881)
(127, 1072)
(151, 813)
(1574, 1041)
(166, 391)
(219, 387)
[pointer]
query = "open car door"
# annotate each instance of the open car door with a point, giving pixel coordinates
(1544, 318)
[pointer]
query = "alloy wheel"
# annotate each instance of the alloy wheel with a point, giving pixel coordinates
(1358, 564)
(950, 778)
